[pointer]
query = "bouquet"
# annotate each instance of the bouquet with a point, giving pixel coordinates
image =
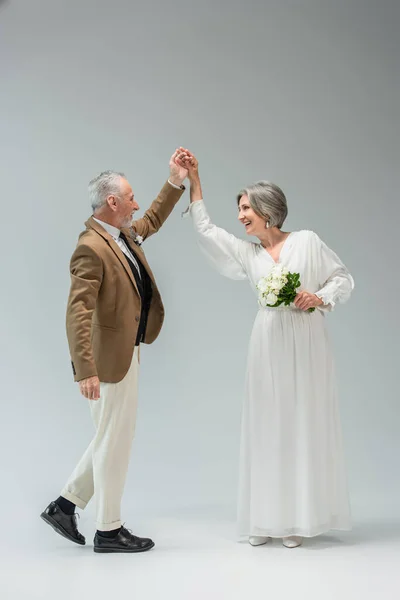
(279, 287)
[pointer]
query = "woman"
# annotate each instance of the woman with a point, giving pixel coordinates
(292, 475)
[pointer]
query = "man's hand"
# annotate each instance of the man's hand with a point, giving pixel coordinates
(178, 172)
(305, 300)
(187, 160)
(90, 387)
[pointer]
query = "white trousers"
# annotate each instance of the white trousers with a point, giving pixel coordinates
(103, 467)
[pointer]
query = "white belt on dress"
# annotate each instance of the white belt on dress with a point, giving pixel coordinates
(280, 308)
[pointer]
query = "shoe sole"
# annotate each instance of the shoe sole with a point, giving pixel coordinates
(116, 550)
(262, 543)
(58, 529)
(256, 545)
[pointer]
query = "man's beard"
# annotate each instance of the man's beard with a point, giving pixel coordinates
(127, 222)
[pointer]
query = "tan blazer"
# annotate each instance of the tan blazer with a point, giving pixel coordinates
(104, 304)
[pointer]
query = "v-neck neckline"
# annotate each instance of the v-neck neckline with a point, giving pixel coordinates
(276, 262)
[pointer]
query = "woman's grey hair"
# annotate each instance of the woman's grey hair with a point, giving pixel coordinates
(268, 201)
(106, 184)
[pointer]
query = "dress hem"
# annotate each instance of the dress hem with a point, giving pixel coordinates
(307, 533)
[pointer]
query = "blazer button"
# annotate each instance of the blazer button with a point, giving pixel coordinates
(137, 319)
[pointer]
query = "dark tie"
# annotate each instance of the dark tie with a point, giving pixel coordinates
(128, 256)
(144, 286)
(136, 270)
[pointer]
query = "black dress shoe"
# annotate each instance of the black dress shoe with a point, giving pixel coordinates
(64, 524)
(124, 541)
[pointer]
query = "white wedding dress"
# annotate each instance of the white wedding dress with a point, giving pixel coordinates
(292, 473)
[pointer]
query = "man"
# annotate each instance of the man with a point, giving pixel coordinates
(113, 306)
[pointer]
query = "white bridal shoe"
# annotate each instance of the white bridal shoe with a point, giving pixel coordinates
(258, 540)
(292, 541)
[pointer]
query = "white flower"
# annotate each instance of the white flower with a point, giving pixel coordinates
(262, 285)
(270, 287)
(262, 300)
(277, 284)
(271, 298)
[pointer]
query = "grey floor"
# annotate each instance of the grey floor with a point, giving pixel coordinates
(197, 557)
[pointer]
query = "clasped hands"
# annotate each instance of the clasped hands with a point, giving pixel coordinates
(184, 164)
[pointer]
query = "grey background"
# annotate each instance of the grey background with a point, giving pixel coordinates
(304, 93)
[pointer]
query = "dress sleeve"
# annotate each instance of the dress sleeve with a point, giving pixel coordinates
(223, 250)
(335, 281)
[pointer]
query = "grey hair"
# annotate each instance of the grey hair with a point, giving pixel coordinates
(106, 184)
(268, 201)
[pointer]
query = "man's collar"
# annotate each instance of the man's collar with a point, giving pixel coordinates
(113, 231)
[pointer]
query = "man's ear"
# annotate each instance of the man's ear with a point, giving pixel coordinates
(112, 202)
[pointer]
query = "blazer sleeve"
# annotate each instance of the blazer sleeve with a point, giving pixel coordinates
(86, 269)
(158, 212)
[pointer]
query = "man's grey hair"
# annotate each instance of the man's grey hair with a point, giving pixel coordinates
(268, 201)
(106, 184)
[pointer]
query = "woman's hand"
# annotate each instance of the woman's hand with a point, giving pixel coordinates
(305, 300)
(188, 161)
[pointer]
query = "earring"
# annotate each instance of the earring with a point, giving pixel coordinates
(266, 224)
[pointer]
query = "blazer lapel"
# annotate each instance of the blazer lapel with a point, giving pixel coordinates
(139, 254)
(114, 247)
